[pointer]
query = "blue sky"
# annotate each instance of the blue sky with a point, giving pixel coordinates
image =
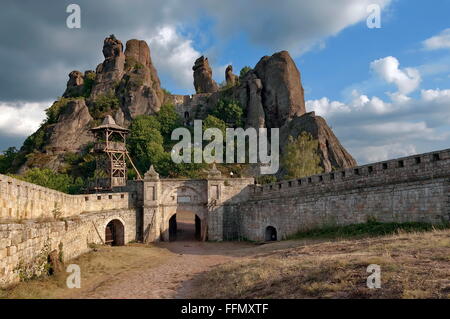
(385, 92)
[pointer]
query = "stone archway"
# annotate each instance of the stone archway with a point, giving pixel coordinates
(115, 233)
(270, 234)
(185, 226)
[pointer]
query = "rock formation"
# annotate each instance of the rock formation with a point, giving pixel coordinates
(75, 84)
(255, 109)
(203, 81)
(333, 155)
(231, 79)
(140, 88)
(111, 70)
(71, 132)
(271, 95)
(282, 90)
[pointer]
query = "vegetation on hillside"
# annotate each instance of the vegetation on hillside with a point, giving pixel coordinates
(50, 179)
(301, 157)
(244, 71)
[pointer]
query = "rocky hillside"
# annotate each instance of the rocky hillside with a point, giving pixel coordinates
(126, 85)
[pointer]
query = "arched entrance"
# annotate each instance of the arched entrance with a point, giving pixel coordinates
(271, 233)
(185, 226)
(115, 233)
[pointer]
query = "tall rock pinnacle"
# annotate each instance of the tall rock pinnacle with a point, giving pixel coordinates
(203, 81)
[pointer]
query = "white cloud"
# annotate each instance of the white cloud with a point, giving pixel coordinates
(174, 55)
(21, 119)
(359, 102)
(297, 26)
(373, 129)
(432, 95)
(407, 80)
(325, 107)
(440, 41)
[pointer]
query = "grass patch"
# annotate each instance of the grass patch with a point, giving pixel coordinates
(413, 266)
(371, 228)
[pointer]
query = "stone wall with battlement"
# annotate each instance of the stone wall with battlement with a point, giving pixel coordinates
(20, 200)
(23, 244)
(415, 188)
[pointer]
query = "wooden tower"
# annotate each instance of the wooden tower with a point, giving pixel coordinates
(111, 154)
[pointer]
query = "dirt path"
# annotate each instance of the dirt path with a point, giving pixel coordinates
(170, 279)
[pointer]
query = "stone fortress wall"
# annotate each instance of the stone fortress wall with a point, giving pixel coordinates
(22, 200)
(415, 188)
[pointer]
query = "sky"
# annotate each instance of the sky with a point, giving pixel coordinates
(384, 91)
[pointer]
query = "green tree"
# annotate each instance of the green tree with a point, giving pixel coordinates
(213, 122)
(301, 156)
(230, 112)
(7, 158)
(103, 104)
(244, 71)
(89, 81)
(169, 120)
(50, 179)
(146, 142)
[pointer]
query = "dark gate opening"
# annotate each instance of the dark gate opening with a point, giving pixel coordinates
(185, 226)
(271, 233)
(115, 233)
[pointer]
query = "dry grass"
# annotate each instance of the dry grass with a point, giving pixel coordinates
(414, 265)
(98, 267)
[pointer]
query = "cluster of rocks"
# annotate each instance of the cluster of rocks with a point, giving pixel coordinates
(271, 94)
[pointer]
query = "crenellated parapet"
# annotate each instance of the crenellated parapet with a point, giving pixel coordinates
(407, 169)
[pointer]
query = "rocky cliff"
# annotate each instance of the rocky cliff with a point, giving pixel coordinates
(126, 84)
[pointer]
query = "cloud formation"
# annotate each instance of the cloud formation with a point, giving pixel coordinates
(376, 129)
(439, 41)
(407, 80)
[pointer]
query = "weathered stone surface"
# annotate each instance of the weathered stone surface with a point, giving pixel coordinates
(255, 109)
(203, 81)
(75, 84)
(140, 88)
(111, 70)
(55, 264)
(282, 93)
(333, 155)
(232, 79)
(71, 132)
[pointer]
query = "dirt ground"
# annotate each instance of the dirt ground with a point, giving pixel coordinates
(185, 259)
(414, 266)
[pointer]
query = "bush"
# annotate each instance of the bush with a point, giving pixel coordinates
(169, 120)
(48, 178)
(7, 159)
(371, 228)
(89, 81)
(229, 111)
(244, 71)
(54, 111)
(103, 104)
(213, 122)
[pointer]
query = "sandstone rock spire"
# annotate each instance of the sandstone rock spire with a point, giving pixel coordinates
(203, 81)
